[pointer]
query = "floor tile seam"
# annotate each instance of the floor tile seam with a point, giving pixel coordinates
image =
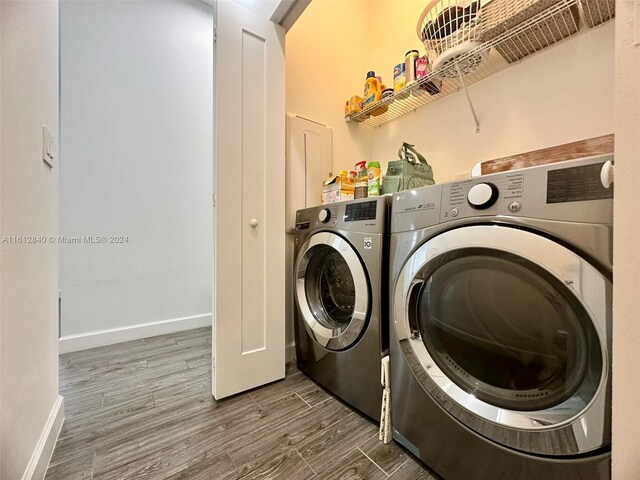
(305, 461)
(147, 343)
(95, 387)
(285, 424)
(336, 460)
(92, 420)
(107, 353)
(189, 415)
(289, 422)
(373, 461)
(375, 435)
(135, 458)
(280, 397)
(127, 437)
(149, 347)
(196, 366)
(401, 465)
(235, 467)
(331, 425)
(158, 388)
(73, 456)
(150, 429)
(153, 451)
(93, 464)
(93, 378)
(318, 433)
(298, 395)
(133, 358)
(165, 367)
(161, 359)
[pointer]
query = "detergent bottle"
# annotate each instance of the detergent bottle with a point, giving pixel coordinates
(373, 179)
(372, 90)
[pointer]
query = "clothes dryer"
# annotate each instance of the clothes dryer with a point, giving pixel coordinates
(500, 306)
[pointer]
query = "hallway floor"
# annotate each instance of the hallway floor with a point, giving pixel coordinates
(144, 410)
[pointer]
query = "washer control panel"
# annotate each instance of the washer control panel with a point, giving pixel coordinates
(355, 212)
(366, 215)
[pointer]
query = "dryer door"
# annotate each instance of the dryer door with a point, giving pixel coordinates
(332, 291)
(509, 332)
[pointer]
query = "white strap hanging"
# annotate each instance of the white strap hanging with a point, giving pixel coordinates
(385, 434)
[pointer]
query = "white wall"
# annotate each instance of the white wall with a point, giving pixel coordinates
(326, 63)
(558, 96)
(28, 206)
(626, 302)
(561, 95)
(136, 160)
(322, 72)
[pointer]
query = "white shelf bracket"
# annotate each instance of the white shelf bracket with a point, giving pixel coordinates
(466, 92)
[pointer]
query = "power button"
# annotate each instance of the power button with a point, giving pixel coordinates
(514, 207)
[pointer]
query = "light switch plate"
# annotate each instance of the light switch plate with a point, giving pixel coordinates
(47, 147)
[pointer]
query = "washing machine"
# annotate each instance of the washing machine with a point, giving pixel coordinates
(339, 277)
(500, 312)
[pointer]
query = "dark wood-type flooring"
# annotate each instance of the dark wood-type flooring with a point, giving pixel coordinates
(144, 410)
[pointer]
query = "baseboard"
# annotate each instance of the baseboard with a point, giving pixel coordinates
(82, 341)
(290, 352)
(39, 461)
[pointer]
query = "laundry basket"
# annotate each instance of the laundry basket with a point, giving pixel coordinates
(450, 30)
(598, 11)
(557, 19)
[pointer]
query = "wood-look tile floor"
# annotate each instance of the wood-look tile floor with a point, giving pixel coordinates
(144, 410)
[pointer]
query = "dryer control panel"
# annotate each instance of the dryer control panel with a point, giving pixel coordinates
(559, 191)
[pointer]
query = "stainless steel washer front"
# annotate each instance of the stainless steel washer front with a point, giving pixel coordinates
(507, 330)
(332, 290)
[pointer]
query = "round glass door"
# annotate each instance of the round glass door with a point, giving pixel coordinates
(505, 330)
(331, 291)
(508, 330)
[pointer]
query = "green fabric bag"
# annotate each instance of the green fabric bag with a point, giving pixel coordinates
(411, 171)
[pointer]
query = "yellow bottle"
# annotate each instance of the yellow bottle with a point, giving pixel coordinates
(372, 90)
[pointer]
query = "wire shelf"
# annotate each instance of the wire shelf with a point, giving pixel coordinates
(552, 25)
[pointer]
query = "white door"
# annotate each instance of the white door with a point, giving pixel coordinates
(249, 213)
(309, 163)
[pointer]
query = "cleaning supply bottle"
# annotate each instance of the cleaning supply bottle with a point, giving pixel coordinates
(373, 179)
(383, 107)
(362, 182)
(372, 90)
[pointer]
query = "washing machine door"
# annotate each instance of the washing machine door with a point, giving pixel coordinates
(509, 332)
(332, 291)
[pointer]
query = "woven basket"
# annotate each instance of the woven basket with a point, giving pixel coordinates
(598, 11)
(500, 16)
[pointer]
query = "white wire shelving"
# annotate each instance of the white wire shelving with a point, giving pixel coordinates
(561, 21)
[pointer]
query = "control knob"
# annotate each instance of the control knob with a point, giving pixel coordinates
(483, 195)
(324, 215)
